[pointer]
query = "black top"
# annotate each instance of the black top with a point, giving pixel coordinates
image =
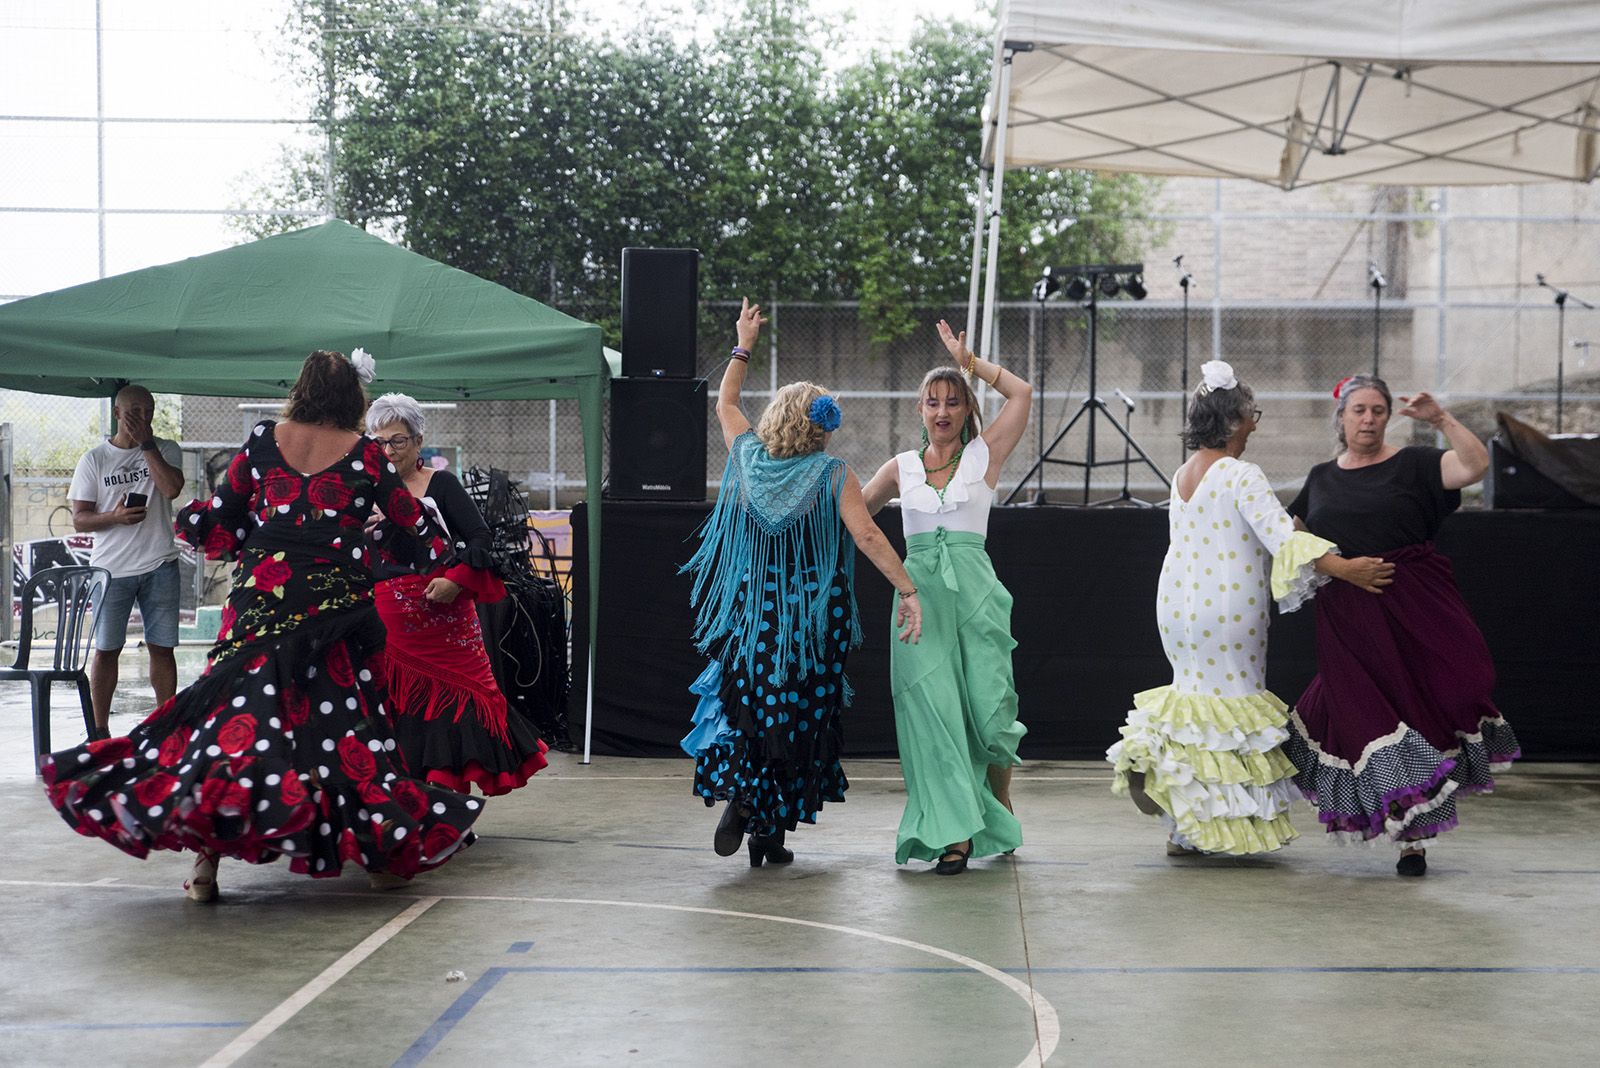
(464, 539)
(1368, 511)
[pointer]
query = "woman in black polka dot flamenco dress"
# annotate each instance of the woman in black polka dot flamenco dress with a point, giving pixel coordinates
(774, 582)
(281, 747)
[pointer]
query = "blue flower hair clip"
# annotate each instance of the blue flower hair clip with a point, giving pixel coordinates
(825, 413)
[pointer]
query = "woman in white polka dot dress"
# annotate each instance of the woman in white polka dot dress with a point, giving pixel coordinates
(281, 747)
(1204, 753)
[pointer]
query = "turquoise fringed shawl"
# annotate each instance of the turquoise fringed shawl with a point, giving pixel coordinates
(781, 514)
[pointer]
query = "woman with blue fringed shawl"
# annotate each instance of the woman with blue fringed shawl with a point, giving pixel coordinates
(774, 583)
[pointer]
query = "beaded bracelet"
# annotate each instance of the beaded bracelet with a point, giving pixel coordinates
(741, 353)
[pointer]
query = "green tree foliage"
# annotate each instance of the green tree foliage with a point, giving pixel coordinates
(513, 143)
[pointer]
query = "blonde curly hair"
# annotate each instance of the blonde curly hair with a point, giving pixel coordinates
(786, 428)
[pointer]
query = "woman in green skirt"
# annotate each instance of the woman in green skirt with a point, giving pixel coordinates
(955, 708)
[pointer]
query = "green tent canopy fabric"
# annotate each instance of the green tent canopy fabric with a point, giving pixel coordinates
(238, 323)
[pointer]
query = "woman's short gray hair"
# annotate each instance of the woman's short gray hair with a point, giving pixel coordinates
(396, 408)
(1349, 386)
(1214, 414)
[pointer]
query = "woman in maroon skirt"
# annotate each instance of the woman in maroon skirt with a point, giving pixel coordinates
(449, 715)
(1399, 718)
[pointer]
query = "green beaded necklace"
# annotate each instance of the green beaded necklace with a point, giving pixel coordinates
(922, 455)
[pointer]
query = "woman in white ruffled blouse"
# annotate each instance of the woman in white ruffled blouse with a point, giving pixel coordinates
(955, 707)
(1204, 753)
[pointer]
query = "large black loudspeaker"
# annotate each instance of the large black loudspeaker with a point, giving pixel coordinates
(1514, 482)
(660, 305)
(658, 439)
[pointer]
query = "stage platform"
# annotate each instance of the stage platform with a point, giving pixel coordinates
(1084, 581)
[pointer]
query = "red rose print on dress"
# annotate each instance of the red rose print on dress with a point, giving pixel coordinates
(349, 848)
(239, 478)
(410, 797)
(439, 840)
(173, 746)
(222, 796)
(402, 507)
(220, 542)
(293, 791)
(109, 750)
(229, 617)
(328, 492)
(270, 575)
(337, 663)
(356, 759)
(238, 734)
(373, 794)
(296, 707)
(156, 789)
(280, 487)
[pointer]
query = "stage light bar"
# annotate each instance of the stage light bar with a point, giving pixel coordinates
(1079, 281)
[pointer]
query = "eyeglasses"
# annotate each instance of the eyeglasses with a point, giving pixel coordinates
(1255, 414)
(399, 441)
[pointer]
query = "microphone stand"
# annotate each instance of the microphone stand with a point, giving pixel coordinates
(1376, 280)
(1561, 296)
(1185, 279)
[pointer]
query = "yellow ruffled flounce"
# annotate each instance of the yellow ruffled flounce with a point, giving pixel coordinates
(1222, 800)
(1294, 575)
(1178, 714)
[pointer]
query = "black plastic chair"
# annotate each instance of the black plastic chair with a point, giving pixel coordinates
(77, 590)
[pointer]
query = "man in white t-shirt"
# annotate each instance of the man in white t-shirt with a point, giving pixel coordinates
(132, 540)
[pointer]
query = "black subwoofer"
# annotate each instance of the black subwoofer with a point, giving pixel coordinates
(660, 307)
(658, 439)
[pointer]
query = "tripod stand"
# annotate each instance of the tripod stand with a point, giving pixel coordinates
(1562, 296)
(1094, 409)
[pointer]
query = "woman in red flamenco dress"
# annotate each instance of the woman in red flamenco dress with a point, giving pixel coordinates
(281, 747)
(449, 716)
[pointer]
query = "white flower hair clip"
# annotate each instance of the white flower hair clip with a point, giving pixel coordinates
(366, 367)
(1216, 374)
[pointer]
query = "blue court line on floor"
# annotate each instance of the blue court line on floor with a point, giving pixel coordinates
(447, 1021)
(1317, 969)
(519, 947)
(179, 1025)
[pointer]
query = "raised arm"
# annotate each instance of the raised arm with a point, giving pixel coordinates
(729, 414)
(1005, 430)
(880, 489)
(1467, 459)
(870, 540)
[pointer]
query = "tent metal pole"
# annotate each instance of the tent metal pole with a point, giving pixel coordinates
(591, 401)
(985, 345)
(977, 256)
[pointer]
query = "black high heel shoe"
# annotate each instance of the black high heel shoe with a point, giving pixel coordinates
(770, 848)
(730, 829)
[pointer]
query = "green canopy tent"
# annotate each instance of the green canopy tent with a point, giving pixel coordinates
(240, 321)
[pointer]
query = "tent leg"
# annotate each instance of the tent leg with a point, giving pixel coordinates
(985, 346)
(588, 712)
(976, 272)
(591, 401)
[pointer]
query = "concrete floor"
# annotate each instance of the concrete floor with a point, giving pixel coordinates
(594, 925)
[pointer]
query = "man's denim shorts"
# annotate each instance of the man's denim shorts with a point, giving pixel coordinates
(157, 594)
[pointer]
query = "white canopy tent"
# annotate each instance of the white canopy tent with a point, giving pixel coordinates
(1292, 93)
